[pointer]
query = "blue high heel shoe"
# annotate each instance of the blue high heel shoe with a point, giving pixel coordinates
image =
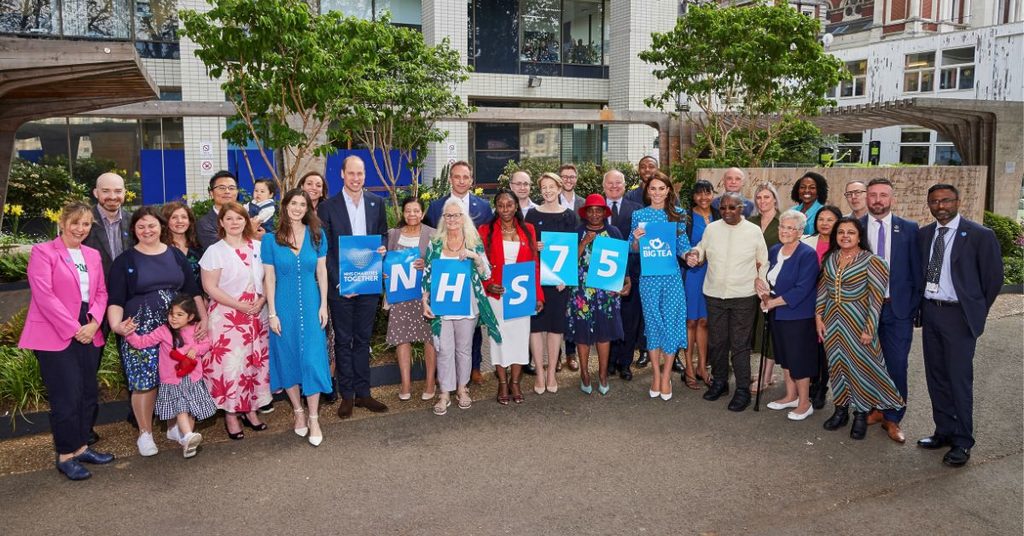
(603, 389)
(587, 389)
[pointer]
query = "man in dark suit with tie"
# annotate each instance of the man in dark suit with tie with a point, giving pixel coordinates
(614, 184)
(460, 176)
(352, 212)
(894, 239)
(963, 275)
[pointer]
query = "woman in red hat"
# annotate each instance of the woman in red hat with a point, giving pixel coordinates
(594, 314)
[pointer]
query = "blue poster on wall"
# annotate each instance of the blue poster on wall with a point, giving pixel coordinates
(359, 264)
(559, 260)
(520, 297)
(658, 249)
(608, 264)
(450, 286)
(403, 282)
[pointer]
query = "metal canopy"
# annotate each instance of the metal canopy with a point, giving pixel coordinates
(42, 78)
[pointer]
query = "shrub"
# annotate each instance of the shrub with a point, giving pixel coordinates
(1013, 270)
(41, 187)
(10, 331)
(1008, 232)
(110, 375)
(13, 266)
(21, 385)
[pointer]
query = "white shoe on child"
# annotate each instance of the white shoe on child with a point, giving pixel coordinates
(146, 445)
(174, 434)
(190, 443)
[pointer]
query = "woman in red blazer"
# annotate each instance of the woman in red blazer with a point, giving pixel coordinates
(69, 297)
(509, 240)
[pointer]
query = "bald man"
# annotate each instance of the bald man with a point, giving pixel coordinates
(110, 233)
(733, 180)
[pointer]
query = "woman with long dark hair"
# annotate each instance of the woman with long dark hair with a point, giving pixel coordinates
(849, 302)
(662, 296)
(821, 242)
(295, 269)
(508, 239)
(701, 215)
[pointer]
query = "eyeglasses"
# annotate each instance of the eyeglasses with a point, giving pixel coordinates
(452, 216)
(854, 193)
(223, 188)
(568, 177)
(788, 228)
(945, 201)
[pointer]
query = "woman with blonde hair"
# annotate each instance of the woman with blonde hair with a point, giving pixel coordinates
(457, 239)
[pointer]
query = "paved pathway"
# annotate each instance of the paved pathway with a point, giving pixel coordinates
(567, 464)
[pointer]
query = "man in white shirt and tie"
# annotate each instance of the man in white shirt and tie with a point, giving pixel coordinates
(614, 185)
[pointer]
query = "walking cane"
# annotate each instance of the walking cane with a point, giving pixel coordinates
(760, 368)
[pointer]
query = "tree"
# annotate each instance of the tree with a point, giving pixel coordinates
(755, 73)
(405, 88)
(305, 83)
(286, 69)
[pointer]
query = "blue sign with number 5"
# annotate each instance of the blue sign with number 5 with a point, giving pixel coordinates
(607, 269)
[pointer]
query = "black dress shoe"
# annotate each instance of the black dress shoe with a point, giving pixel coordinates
(933, 442)
(530, 369)
(717, 390)
(612, 370)
(93, 438)
(626, 374)
(838, 419)
(957, 457)
(677, 365)
(740, 400)
(371, 404)
(73, 470)
(643, 360)
(93, 457)
(860, 425)
(345, 408)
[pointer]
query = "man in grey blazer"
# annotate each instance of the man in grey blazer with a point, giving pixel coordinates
(110, 233)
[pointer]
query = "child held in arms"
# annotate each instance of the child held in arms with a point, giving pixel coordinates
(262, 208)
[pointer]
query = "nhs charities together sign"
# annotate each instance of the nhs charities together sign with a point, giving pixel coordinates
(363, 269)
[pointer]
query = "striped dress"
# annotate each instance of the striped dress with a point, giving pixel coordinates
(849, 302)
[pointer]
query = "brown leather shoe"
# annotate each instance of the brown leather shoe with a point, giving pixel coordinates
(371, 404)
(476, 377)
(572, 364)
(875, 417)
(893, 429)
(345, 408)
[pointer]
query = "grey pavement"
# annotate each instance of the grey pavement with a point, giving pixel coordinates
(568, 464)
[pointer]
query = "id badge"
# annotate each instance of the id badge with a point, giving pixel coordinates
(931, 287)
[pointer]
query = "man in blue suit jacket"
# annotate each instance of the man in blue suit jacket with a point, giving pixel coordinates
(614, 184)
(460, 176)
(894, 239)
(963, 273)
(352, 212)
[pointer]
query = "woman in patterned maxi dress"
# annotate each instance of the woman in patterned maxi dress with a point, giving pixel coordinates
(849, 302)
(237, 367)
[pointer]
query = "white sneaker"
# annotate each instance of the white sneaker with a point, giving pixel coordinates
(146, 445)
(174, 434)
(190, 443)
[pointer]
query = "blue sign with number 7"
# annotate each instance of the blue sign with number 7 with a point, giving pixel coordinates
(559, 260)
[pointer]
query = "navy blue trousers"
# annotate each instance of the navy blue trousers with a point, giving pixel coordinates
(353, 326)
(895, 335)
(949, 346)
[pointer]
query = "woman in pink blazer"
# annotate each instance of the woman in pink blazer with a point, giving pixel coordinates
(69, 297)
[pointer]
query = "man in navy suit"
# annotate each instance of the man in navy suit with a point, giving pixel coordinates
(894, 239)
(460, 176)
(621, 357)
(647, 167)
(963, 272)
(352, 212)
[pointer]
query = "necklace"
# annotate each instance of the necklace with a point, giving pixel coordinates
(452, 250)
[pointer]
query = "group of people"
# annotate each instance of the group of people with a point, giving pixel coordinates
(218, 313)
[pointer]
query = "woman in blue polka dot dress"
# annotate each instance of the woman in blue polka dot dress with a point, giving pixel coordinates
(662, 296)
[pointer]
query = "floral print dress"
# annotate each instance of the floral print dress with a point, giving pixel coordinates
(237, 368)
(593, 315)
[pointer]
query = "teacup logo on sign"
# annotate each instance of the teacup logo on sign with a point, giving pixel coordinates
(657, 248)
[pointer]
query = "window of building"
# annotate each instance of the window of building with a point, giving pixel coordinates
(539, 37)
(27, 17)
(403, 12)
(957, 69)
(97, 19)
(851, 147)
(915, 146)
(919, 72)
(855, 87)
